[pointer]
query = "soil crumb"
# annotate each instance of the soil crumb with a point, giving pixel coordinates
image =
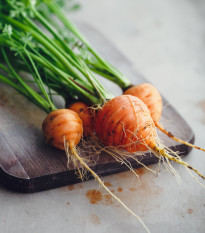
(190, 211)
(119, 189)
(71, 187)
(108, 199)
(94, 196)
(80, 186)
(132, 189)
(95, 219)
(140, 171)
(107, 184)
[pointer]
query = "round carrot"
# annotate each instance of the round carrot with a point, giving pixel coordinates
(150, 96)
(63, 126)
(86, 116)
(125, 122)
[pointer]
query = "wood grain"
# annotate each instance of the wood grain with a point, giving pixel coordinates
(28, 164)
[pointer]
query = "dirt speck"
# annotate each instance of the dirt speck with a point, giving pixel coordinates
(119, 189)
(68, 203)
(132, 189)
(94, 196)
(71, 187)
(190, 211)
(107, 184)
(140, 171)
(108, 199)
(80, 186)
(95, 219)
(201, 104)
(124, 174)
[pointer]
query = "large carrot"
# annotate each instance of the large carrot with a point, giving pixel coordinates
(125, 122)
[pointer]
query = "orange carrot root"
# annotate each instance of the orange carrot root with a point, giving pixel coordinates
(152, 98)
(86, 116)
(62, 125)
(125, 122)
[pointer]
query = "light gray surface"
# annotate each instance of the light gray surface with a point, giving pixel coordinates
(164, 39)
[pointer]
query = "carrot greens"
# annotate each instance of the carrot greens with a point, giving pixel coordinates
(48, 51)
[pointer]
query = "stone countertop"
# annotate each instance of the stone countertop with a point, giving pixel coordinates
(165, 40)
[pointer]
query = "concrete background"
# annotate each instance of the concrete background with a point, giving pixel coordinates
(165, 40)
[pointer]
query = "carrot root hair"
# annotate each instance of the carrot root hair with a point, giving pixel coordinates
(82, 168)
(122, 156)
(170, 135)
(165, 152)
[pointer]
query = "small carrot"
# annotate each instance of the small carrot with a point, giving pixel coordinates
(125, 122)
(152, 98)
(86, 116)
(63, 129)
(63, 125)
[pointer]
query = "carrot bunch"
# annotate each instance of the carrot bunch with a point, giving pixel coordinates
(126, 122)
(145, 91)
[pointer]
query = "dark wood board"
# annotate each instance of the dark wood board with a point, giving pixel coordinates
(28, 164)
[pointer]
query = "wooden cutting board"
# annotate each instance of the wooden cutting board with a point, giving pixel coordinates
(28, 164)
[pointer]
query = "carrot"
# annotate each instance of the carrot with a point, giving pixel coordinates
(63, 125)
(152, 98)
(125, 122)
(86, 116)
(63, 129)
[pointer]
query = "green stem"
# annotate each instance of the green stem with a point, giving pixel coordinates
(46, 43)
(117, 76)
(74, 86)
(76, 62)
(26, 90)
(12, 84)
(56, 35)
(71, 84)
(41, 86)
